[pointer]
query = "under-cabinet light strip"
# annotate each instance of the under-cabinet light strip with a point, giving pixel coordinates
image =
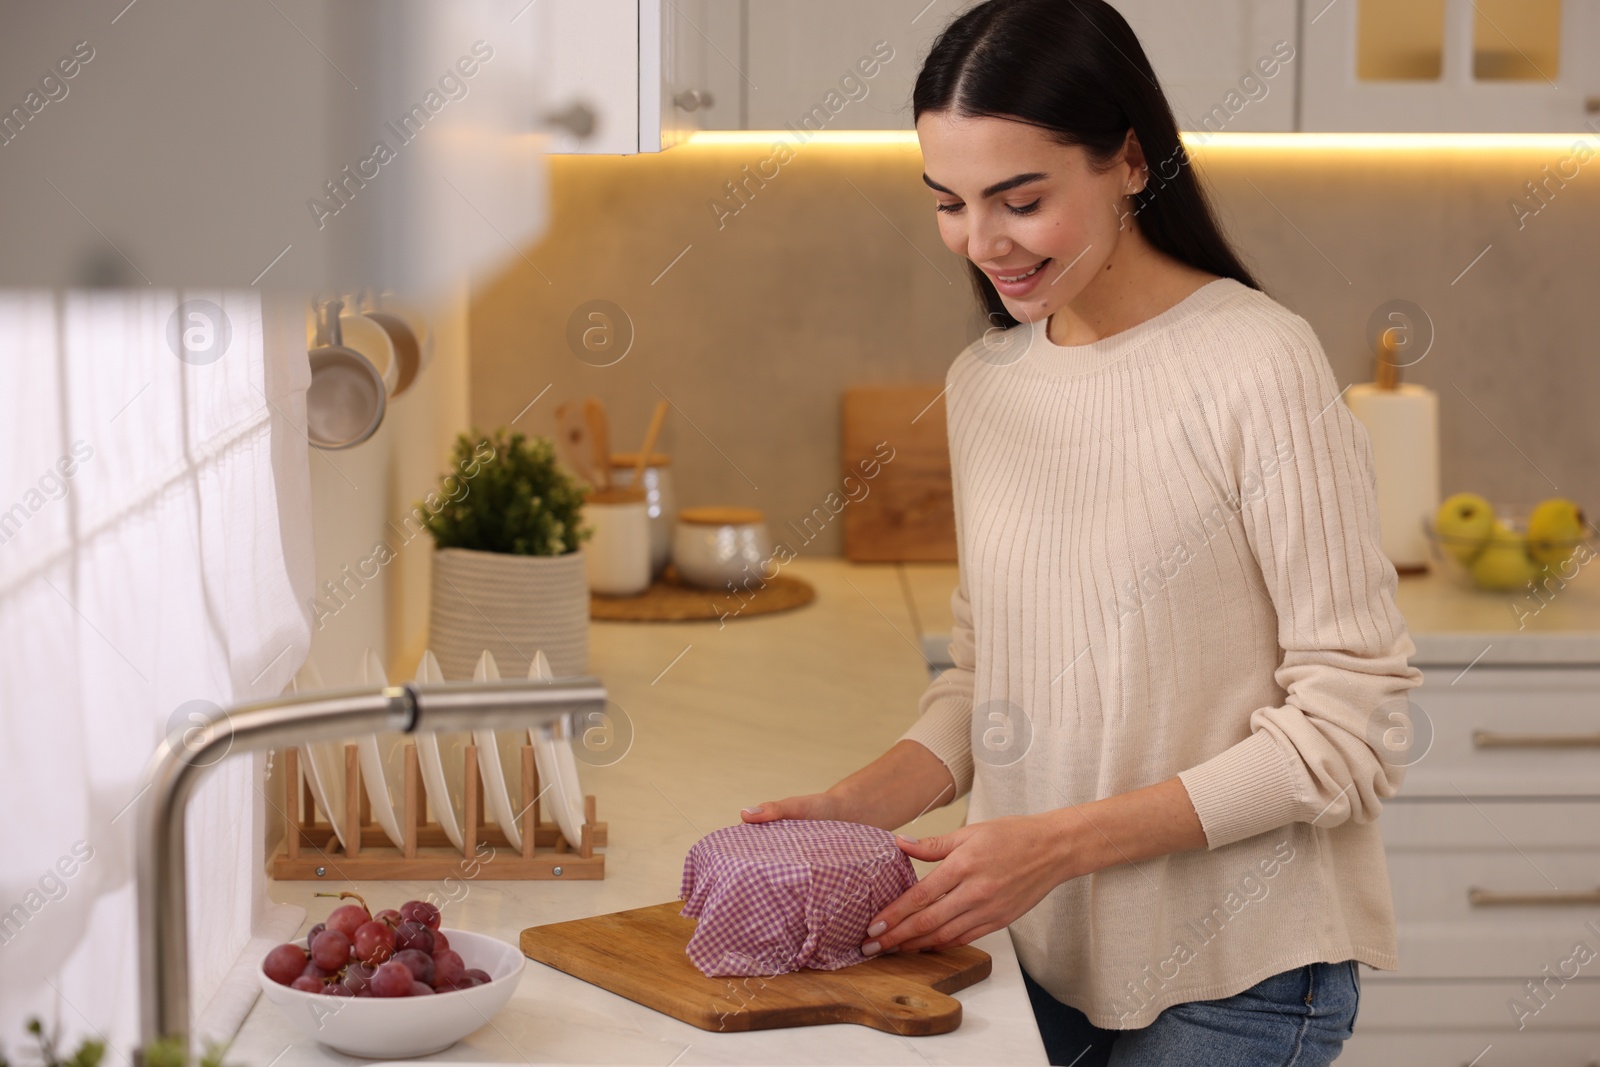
(1274, 141)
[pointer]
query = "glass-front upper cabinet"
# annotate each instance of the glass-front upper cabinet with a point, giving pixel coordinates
(1501, 66)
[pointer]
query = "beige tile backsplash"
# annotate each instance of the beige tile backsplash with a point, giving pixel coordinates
(830, 273)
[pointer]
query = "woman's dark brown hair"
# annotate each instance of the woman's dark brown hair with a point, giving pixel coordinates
(1075, 69)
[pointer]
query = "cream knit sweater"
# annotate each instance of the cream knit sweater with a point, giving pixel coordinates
(1170, 565)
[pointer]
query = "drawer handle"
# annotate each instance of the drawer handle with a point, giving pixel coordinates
(1487, 898)
(1491, 739)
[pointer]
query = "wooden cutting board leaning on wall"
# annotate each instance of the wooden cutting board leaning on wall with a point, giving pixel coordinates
(907, 513)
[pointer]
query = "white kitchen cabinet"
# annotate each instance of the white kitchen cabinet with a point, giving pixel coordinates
(644, 73)
(1227, 66)
(1507, 731)
(1493, 850)
(1211, 58)
(1450, 65)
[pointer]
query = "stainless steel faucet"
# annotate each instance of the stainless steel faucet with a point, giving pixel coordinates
(296, 720)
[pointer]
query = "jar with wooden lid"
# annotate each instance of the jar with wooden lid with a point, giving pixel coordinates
(661, 502)
(715, 546)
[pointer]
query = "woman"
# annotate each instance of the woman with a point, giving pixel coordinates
(1176, 642)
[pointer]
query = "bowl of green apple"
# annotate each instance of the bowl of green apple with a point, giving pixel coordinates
(1508, 547)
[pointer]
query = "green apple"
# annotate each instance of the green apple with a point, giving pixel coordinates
(1504, 563)
(1463, 523)
(1554, 530)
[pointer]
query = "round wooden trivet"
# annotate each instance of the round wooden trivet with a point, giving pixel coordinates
(669, 600)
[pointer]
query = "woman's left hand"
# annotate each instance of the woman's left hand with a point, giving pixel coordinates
(990, 875)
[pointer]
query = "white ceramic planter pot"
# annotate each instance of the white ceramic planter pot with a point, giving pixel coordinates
(511, 605)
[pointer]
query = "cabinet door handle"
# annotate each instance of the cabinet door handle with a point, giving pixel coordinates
(1492, 739)
(693, 99)
(577, 118)
(1488, 898)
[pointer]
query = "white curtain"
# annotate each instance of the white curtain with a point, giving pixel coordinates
(155, 552)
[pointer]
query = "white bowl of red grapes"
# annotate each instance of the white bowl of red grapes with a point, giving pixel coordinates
(338, 985)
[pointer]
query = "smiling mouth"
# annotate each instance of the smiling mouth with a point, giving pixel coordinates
(1025, 274)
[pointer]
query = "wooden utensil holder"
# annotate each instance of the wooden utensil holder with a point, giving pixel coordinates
(312, 852)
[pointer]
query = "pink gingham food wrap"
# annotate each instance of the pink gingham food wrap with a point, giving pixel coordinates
(780, 896)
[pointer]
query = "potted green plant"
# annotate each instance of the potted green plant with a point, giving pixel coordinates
(508, 569)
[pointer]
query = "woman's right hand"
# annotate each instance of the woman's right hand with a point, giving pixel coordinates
(811, 806)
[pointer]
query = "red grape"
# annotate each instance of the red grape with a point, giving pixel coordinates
(284, 964)
(482, 976)
(348, 918)
(387, 915)
(321, 974)
(306, 985)
(448, 968)
(420, 990)
(336, 989)
(420, 964)
(440, 942)
(420, 911)
(392, 980)
(374, 942)
(358, 976)
(410, 934)
(315, 930)
(331, 950)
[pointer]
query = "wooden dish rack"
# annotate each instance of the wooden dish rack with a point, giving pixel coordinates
(311, 850)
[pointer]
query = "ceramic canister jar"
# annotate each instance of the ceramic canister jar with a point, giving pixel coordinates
(713, 546)
(661, 502)
(617, 556)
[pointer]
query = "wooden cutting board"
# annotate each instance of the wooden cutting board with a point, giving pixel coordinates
(639, 954)
(908, 511)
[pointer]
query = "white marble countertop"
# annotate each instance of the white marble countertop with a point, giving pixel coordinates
(724, 716)
(1450, 623)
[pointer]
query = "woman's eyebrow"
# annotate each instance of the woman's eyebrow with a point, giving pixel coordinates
(997, 187)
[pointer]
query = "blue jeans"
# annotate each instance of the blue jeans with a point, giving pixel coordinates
(1300, 1018)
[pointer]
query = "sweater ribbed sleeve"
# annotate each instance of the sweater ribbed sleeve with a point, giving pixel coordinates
(944, 725)
(944, 722)
(1307, 495)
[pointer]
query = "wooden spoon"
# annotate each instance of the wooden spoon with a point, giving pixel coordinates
(594, 413)
(573, 434)
(649, 442)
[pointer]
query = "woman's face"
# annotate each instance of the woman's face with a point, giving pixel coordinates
(1028, 210)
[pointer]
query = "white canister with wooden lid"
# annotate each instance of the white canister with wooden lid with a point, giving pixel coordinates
(617, 554)
(713, 546)
(660, 499)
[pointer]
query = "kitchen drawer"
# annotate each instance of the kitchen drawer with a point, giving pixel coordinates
(1493, 888)
(1494, 913)
(1403, 1023)
(1508, 731)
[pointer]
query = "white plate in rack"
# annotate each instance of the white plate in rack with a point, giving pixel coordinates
(428, 758)
(558, 779)
(558, 768)
(373, 774)
(495, 798)
(322, 762)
